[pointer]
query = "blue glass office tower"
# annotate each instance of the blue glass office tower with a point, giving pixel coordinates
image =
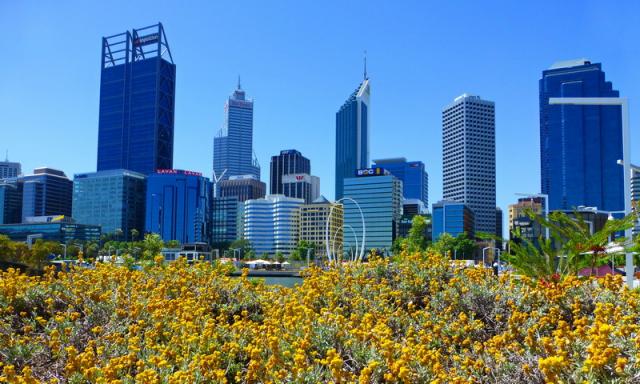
(113, 199)
(10, 201)
(379, 195)
(453, 218)
(47, 192)
(137, 93)
(580, 145)
(179, 206)
(233, 145)
(352, 135)
(415, 180)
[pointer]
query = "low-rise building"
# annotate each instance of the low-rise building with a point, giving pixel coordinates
(454, 218)
(313, 225)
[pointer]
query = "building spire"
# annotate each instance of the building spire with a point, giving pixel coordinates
(365, 65)
(239, 87)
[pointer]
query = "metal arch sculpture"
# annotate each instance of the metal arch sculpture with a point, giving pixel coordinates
(336, 234)
(326, 237)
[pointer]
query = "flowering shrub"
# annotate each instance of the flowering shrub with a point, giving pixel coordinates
(415, 320)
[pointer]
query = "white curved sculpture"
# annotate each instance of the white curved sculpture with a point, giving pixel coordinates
(364, 230)
(334, 241)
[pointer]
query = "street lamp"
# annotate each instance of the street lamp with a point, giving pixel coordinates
(483, 254)
(626, 159)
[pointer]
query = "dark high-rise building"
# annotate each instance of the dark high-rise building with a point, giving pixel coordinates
(233, 145)
(179, 206)
(469, 158)
(9, 169)
(245, 187)
(415, 180)
(47, 192)
(580, 145)
(137, 96)
(352, 135)
(227, 213)
(10, 201)
(291, 176)
(113, 199)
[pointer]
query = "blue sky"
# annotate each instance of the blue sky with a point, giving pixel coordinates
(299, 60)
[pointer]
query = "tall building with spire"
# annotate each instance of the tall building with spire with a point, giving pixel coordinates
(137, 97)
(580, 145)
(352, 134)
(233, 145)
(9, 169)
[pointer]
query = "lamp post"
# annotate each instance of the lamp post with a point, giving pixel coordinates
(626, 159)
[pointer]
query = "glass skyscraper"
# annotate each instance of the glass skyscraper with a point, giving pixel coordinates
(415, 180)
(379, 195)
(47, 192)
(137, 96)
(291, 176)
(113, 199)
(178, 206)
(352, 135)
(10, 201)
(233, 145)
(453, 218)
(469, 158)
(580, 145)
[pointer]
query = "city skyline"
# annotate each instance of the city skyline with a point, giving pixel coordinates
(517, 132)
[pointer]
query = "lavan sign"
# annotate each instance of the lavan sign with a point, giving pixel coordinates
(148, 39)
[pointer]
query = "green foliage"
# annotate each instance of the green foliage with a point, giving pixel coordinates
(300, 252)
(416, 241)
(134, 234)
(151, 246)
(245, 248)
(40, 252)
(460, 247)
(172, 244)
(571, 248)
(280, 257)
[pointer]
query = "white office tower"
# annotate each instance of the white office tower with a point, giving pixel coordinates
(469, 157)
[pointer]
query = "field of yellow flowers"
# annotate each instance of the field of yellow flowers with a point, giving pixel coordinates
(416, 320)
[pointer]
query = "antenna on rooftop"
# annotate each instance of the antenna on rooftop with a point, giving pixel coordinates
(365, 64)
(239, 87)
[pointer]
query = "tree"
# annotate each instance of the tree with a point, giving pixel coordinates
(6, 250)
(41, 251)
(300, 252)
(118, 234)
(445, 245)
(279, 257)
(416, 241)
(151, 246)
(173, 244)
(463, 246)
(134, 234)
(572, 245)
(244, 245)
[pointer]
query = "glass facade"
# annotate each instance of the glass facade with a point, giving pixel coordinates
(380, 198)
(59, 232)
(9, 170)
(245, 188)
(225, 219)
(10, 201)
(233, 145)
(580, 145)
(178, 206)
(453, 218)
(112, 199)
(271, 224)
(137, 97)
(415, 180)
(47, 192)
(352, 136)
(291, 175)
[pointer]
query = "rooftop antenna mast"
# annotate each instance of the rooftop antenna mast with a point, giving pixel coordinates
(239, 86)
(365, 64)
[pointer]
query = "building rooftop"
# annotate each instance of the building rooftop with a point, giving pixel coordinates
(570, 63)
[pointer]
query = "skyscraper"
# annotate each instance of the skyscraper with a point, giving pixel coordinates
(244, 187)
(415, 180)
(379, 195)
(580, 145)
(469, 158)
(352, 135)
(46, 192)
(291, 176)
(179, 206)
(11, 201)
(9, 169)
(137, 94)
(233, 145)
(113, 199)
